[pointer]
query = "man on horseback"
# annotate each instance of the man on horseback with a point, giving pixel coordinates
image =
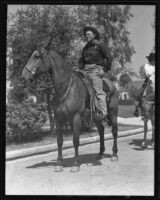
(149, 71)
(95, 61)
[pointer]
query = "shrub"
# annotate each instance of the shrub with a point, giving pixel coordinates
(134, 92)
(24, 121)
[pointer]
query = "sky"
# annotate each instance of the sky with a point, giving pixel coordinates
(142, 35)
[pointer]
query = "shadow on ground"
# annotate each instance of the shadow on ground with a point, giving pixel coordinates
(67, 162)
(138, 144)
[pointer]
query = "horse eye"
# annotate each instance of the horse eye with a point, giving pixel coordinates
(37, 55)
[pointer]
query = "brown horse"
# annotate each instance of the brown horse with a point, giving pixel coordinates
(146, 104)
(73, 98)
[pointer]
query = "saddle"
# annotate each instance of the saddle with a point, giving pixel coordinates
(94, 102)
(147, 99)
(148, 95)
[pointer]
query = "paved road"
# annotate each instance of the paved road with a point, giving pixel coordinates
(133, 174)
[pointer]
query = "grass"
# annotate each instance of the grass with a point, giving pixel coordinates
(50, 139)
(126, 111)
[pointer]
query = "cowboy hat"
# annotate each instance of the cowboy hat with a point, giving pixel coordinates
(93, 30)
(151, 56)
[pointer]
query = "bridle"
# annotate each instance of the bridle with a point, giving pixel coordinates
(39, 63)
(37, 67)
(28, 70)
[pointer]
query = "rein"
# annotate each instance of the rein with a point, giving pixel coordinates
(67, 91)
(42, 84)
(39, 63)
(35, 85)
(28, 70)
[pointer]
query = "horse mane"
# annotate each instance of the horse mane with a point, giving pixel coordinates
(61, 58)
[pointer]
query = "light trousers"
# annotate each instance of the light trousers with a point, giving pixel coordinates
(92, 71)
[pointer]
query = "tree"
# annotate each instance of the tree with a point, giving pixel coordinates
(31, 28)
(124, 80)
(111, 20)
(142, 72)
(133, 92)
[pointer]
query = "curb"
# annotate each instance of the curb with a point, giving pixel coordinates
(11, 155)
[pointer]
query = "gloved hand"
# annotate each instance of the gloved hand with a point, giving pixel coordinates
(100, 73)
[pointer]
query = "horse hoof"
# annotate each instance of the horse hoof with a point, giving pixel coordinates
(75, 169)
(151, 145)
(144, 145)
(58, 168)
(152, 142)
(100, 156)
(97, 162)
(114, 158)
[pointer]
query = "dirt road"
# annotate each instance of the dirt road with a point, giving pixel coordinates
(133, 174)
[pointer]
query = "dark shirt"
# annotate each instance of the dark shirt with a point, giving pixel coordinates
(95, 53)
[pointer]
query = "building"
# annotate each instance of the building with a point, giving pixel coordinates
(124, 95)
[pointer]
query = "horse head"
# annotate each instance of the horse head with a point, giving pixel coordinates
(36, 65)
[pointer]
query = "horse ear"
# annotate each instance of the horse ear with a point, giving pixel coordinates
(47, 46)
(37, 53)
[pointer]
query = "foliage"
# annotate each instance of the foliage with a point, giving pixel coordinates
(24, 121)
(126, 111)
(32, 27)
(124, 80)
(111, 20)
(17, 93)
(142, 72)
(133, 92)
(112, 73)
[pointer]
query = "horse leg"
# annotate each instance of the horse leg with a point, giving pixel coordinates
(144, 143)
(113, 120)
(59, 166)
(100, 128)
(76, 133)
